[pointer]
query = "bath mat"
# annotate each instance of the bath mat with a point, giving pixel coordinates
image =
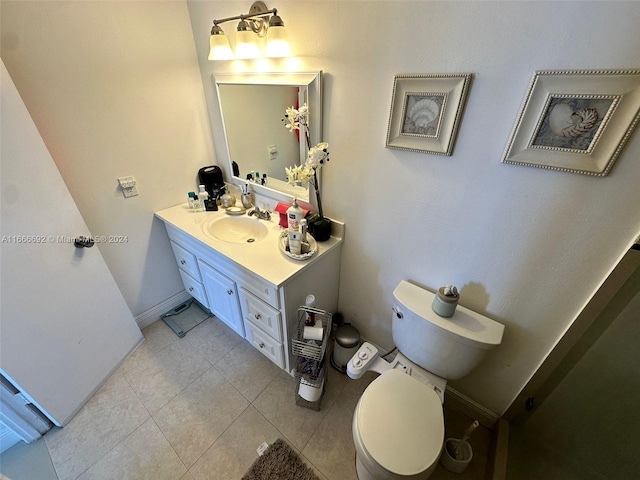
(184, 317)
(279, 462)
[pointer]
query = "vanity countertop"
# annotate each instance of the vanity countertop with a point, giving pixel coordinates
(263, 257)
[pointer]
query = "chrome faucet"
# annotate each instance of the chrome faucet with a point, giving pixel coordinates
(261, 214)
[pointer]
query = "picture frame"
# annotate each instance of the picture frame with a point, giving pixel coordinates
(426, 111)
(575, 121)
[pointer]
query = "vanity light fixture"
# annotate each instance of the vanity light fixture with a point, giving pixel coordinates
(260, 22)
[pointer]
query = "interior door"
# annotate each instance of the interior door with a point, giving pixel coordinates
(64, 325)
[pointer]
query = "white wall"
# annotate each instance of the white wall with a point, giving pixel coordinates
(527, 246)
(114, 90)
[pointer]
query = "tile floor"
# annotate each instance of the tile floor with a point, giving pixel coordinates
(198, 408)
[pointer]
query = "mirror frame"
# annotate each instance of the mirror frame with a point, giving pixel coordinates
(313, 82)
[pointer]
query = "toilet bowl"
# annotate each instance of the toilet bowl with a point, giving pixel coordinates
(398, 429)
(398, 423)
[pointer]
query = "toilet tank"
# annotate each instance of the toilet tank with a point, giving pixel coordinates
(448, 347)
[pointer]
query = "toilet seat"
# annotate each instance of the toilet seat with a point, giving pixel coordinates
(399, 424)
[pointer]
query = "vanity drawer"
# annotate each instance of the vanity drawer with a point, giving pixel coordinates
(186, 260)
(260, 314)
(268, 346)
(194, 288)
(263, 290)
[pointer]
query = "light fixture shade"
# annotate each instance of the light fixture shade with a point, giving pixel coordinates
(219, 48)
(246, 42)
(277, 42)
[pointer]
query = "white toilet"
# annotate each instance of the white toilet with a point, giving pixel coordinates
(398, 424)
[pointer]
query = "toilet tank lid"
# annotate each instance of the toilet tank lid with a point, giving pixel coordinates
(469, 326)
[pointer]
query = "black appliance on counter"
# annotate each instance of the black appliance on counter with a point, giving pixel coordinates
(211, 178)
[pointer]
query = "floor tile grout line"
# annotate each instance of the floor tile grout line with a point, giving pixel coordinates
(196, 351)
(117, 443)
(324, 418)
(50, 458)
(218, 438)
(110, 450)
(260, 412)
(186, 469)
(213, 367)
(151, 415)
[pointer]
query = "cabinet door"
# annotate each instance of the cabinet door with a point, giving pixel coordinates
(223, 297)
(194, 288)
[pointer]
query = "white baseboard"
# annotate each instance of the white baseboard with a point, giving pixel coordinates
(147, 317)
(472, 409)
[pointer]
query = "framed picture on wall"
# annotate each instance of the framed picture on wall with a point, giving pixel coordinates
(426, 112)
(575, 121)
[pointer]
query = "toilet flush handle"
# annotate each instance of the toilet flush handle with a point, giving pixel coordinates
(397, 312)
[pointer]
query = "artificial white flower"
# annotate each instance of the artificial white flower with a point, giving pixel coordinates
(291, 119)
(318, 155)
(292, 176)
(303, 115)
(305, 175)
(295, 118)
(298, 175)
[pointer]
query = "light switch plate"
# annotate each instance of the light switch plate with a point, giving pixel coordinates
(128, 186)
(273, 152)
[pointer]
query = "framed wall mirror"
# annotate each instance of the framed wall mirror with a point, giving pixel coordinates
(252, 106)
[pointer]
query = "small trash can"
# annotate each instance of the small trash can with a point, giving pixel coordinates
(346, 343)
(456, 461)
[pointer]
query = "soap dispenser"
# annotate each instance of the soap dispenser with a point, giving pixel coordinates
(227, 199)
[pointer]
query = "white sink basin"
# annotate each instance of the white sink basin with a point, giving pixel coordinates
(236, 229)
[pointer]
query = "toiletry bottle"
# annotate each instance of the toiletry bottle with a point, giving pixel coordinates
(295, 244)
(310, 302)
(294, 215)
(303, 230)
(203, 196)
(193, 203)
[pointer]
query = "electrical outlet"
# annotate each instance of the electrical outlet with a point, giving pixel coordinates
(262, 448)
(128, 186)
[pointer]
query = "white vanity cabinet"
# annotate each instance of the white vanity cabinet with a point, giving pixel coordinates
(253, 288)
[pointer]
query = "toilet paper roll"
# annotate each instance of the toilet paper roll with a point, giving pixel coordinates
(313, 333)
(310, 393)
